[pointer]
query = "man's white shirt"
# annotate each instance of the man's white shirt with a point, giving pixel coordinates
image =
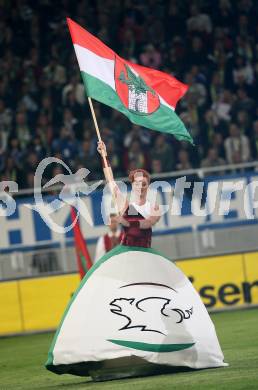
(100, 247)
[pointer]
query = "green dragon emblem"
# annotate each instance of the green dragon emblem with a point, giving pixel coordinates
(134, 82)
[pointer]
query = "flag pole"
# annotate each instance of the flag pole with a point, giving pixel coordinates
(102, 154)
(95, 123)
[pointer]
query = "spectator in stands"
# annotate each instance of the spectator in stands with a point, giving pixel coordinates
(119, 124)
(77, 87)
(28, 101)
(107, 134)
(236, 146)
(244, 48)
(222, 106)
(87, 159)
(197, 51)
(31, 162)
(22, 130)
(67, 145)
(156, 33)
(55, 72)
(5, 119)
(175, 22)
(242, 72)
(218, 143)
(47, 110)
(198, 21)
(163, 152)
(136, 155)
(38, 148)
(15, 152)
(44, 130)
(213, 160)
(70, 122)
(156, 166)
(11, 171)
(176, 56)
(208, 127)
(151, 57)
(72, 104)
(216, 87)
(197, 91)
(224, 14)
(242, 102)
(193, 113)
(243, 122)
(212, 48)
(137, 133)
(183, 161)
(3, 141)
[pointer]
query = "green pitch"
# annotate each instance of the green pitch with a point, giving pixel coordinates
(22, 360)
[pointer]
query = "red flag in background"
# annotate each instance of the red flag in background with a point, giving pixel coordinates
(83, 257)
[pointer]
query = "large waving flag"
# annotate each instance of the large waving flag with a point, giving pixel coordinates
(83, 257)
(146, 96)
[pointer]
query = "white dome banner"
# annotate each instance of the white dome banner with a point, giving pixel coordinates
(135, 303)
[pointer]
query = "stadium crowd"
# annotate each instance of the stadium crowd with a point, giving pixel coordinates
(210, 45)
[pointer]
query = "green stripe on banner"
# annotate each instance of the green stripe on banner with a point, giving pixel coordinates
(164, 119)
(152, 347)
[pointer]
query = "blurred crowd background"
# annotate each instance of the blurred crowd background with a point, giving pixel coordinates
(210, 45)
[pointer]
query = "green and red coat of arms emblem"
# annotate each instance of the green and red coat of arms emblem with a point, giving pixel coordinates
(134, 92)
